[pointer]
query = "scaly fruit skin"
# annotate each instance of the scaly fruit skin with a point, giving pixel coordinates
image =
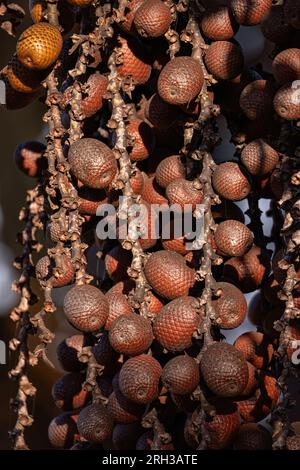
(117, 262)
(142, 139)
(230, 182)
(256, 348)
(183, 192)
(132, 7)
(252, 383)
(248, 271)
(256, 99)
(45, 267)
(152, 19)
(67, 352)
(131, 335)
(153, 193)
(250, 12)
(86, 308)
(168, 274)
(89, 199)
(105, 355)
(96, 86)
(233, 238)
(67, 392)
(23, 79)
(286, 66)
(95, 423)
(174, 326)
(224, 370)
(62, 431)
(159, 113)
(135, 63)
(139, 379)
(16, 100)
(39, 46)
(293, 442)
(224, 60)
(230, 306)
(181, 375)
(218, 24)
(180, 80)
(118, 305)
(123, 410)
(92, 162)
(259, 157)
(29, 158)
(287, 101)
(292, 12)
(275, 26)
(252, 436)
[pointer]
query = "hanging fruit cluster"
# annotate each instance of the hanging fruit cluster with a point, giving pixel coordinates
(133, 96)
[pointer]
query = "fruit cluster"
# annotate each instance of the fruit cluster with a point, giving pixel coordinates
(133, 100)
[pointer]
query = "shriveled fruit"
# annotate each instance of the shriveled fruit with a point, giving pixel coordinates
(218, 23)
(230, 182)
(230, 306)
(95, 423)
(152, 19)
(224, 60)
(131, 334)
(259, 157)
(181, 375)
(233, 238)
(256, 348)
(250, 12)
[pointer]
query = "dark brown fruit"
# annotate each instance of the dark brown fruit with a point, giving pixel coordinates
(95, 423)
(15, 100)
(39, 46)
(153, 193)
(292, 12)
(131, 335)
(181, 375)
(168, 274)
(92, 162)
(275, 26)
(95, 89)
(152, 19)
(224, 60)
(252, 383)
(105, 355)
(125, 436)
(176, 323)
(139, 379)
(259, 157)
(47, 271)
(159, 113)
(141, 139)
(256, 348)
(118, 305)
(86, 308)
(224, 370)
(230, 182)
(250, 12)
(29, 158)
(67, 353)
(68, 393)
(180, 80)
(230, 306)
(117, 261)
(62, 431)
(252, 436)
(90, 199)
(233, 238)
(183, 192)
(169, 169)
(123, 410)
(286, 66)
(256, 99)
(22, 79)
(287, 101)
(218, 24)
(135, 63)
(130, 11)
(248, 271)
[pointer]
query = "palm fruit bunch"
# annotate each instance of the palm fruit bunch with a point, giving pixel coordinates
(166, 350)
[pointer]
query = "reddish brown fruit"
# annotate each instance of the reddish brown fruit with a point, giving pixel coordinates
(218, 24)
(256, 348)
(250, 12)
(224, 60)
(80, 3)
(256, 99)
(86, 308)
(176, 323)
(68, 393)
(117, 261)
(152, 192)
(230, 307)
(139, 379)
(95, 423)
(141, 141)
(118, 305)
(90, 199)
(131, 335)
(230, 182)
(62, 431)
(95, 89)
(152, 19)
(224, 370)
(105, 355)
(292, 12)
(135, 63)
(183, 192)
(175, 244)
(251, 436)
(22, 79)
(92, 162)
(233, 238)
(286, 66)
(29, 158)
(67, 353)
(287, 101)
(137, 181)
(248, 271)
(181, 375)
(123, 410)
(275, 26)
(252, 383)
(39, 46)
(47, 271)
(168, 274)
(159, 113)
(180, 80)
(259, 157)
(130, 11)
